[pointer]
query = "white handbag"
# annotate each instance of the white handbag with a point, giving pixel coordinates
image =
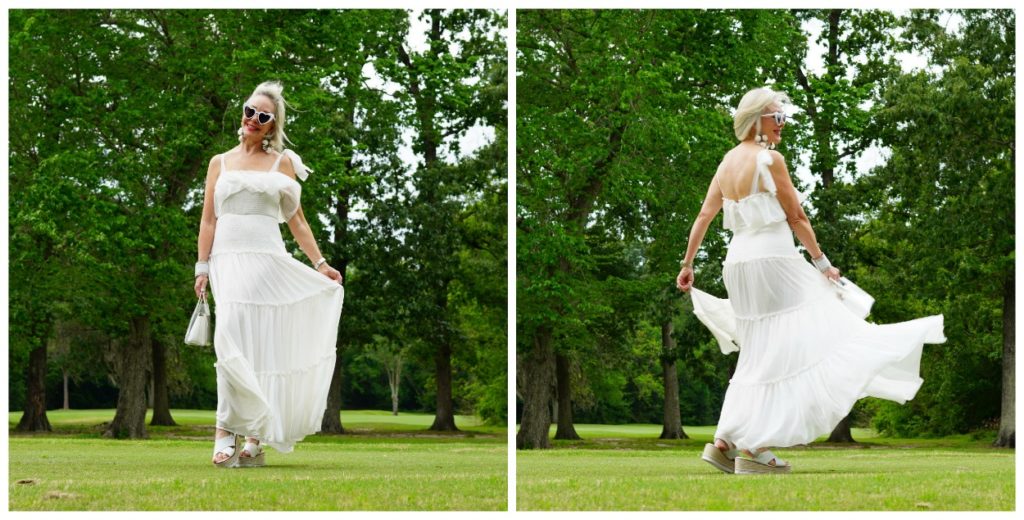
(858, 301)
(199, 329)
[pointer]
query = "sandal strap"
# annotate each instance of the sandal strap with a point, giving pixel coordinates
(766, 456)
(730, 453)
(253, 449)
(225, 445)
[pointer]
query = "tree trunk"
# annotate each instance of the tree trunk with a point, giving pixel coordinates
(565, 431)
(395, 381)
(331, 422)
(444, 420)
(842, 431)
(539, 370)
(67, 396)
(34, 419)
(132, 361)
(672, 424)
(1007, 417)
(161, 402)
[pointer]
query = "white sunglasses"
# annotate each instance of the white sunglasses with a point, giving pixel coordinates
(780, 117)
(261, 117)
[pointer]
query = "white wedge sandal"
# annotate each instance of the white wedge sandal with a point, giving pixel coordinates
(255, 458)
(723, 460)
(226, 445)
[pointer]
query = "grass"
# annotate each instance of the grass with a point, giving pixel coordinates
(626, 467)
(383, 463)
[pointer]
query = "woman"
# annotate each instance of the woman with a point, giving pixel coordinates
(276, 318)
(805, 358)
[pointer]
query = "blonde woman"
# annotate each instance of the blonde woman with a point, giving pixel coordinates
(804, 357)
(276, 317)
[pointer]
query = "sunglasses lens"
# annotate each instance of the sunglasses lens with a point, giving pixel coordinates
(780, 118)
(248, 111)
(264, 118)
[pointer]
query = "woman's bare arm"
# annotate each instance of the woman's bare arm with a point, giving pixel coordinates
(787, 195)
(708, 210)
(303, 235)
(208, 223)
(712, 205)
(298, 224)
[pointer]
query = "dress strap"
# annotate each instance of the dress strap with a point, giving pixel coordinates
(222, 166)
(764, 160)
(277, 162)
(757, 175)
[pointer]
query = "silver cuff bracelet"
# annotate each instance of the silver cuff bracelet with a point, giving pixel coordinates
(202, 268)
(822, 263)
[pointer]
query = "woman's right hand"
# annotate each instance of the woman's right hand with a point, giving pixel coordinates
(685, 279)
(832, 273)
(201, 285)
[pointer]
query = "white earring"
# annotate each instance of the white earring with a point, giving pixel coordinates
(266, 143)
(240, 134)
(762, 140)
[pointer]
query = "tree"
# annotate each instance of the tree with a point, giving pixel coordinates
(389, 355)
(443, 107)
(949, 129)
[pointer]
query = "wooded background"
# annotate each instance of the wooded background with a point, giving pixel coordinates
(114, 116)
(622, 118)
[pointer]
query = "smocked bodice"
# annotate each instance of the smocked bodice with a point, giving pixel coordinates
(272, 194)
(758, 209)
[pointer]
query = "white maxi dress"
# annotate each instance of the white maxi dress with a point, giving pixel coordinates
(276, 318)
(805, 358)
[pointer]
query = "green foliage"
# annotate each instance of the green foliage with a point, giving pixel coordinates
(940, 201)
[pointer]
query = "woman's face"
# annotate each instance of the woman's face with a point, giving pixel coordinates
(251, 127)
(769, 127)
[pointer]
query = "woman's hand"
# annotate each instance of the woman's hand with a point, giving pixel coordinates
(201, 284)
(832, 273)
(685, 279)
(330, 272)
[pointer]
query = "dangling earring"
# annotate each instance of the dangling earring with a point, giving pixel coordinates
(240, 134)
(266, 143)
(762, 140)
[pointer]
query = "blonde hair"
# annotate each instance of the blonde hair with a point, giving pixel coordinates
(273, 90)
(749, 111)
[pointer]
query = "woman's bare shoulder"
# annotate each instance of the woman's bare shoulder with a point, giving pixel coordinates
(285, 166)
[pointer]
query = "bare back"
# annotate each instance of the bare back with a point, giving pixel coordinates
(736, 172)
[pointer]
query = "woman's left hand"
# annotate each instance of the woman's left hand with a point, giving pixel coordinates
(685, 279)
(330, 272)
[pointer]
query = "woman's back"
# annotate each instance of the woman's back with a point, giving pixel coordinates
(737, 170)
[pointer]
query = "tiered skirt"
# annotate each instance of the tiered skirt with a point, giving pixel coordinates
(804, 357)
(276, 325)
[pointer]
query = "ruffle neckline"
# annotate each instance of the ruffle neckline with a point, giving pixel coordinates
(273, 182)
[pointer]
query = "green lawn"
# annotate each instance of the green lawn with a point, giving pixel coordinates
(627, 468)
(384, 463)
